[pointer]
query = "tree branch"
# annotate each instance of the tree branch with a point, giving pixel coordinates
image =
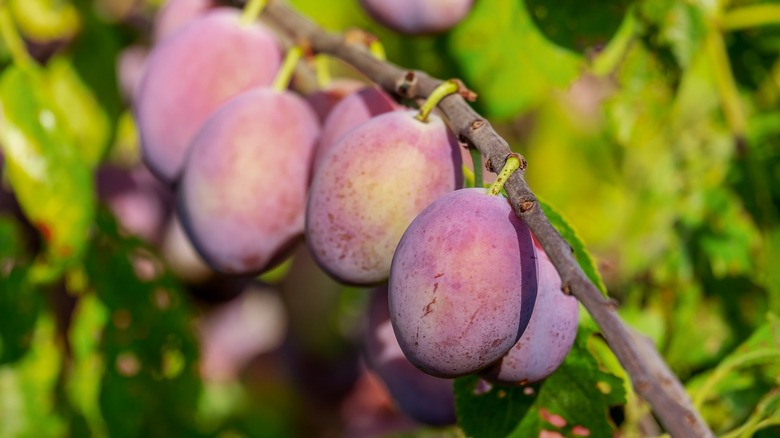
(651, 377)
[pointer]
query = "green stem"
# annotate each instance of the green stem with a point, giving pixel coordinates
(285, 73)
(252, 10)
(377, 49)
(476, 160)
(322, 70)
(512, 163)
(725, 83)
(751, 16)
(442, 91)
(12, 38)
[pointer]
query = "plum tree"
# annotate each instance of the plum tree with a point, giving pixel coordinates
(370, 186)
(241, 198)
(190, 74)
(462, 283)
(418, 16)
(550, 333)
(423, 397)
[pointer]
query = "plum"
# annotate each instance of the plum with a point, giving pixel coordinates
(174, 14)
(190, 74)
(370, 186)
(326, 98)
(549, 335)
(350, 112)
(425, 398)
(462, 283)
(417, 17)
(243, 191)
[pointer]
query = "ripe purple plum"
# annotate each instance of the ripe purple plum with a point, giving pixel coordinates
(139, 201)
(243, 192)
(326, 98)
(549, 335)
(425, 398)
(462, 283)
(370, 186)
(350, 112)
(415, 17)
(174, 14)
(190, 74)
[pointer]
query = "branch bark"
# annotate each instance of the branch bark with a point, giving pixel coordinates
(651, 377)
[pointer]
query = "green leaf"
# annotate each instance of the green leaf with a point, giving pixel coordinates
(580, 253)
(726, 394)
(576, 25)
(486, 410)
(21, 303)
(52, 183)
(580, 393)
(150, 384)
(506, 60)
(576, 398)
(83, 116)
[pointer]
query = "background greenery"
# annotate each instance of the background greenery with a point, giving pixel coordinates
(652, 126)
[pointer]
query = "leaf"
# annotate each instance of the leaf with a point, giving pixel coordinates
(506, 60)
(726, 394)
(21, 303)
(83, 116)
(576, 397)
(580, 393)
(50, 180)
(486, 410)
(150, 385)
(45, 20)
(580, 253)
(577, 26)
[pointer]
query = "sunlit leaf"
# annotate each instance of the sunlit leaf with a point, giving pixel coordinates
(51, 181)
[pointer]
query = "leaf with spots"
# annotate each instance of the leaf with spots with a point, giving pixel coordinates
(575, 400)
(51, 181)
(151, 382)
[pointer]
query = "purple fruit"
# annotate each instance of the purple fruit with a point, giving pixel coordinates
(350, 112)
(549, 335)
(462, 283)
(176, 13)
(190, 74)
(423, 397)
(370, 186)
(323, 100)
(418, 16)
(243, 191)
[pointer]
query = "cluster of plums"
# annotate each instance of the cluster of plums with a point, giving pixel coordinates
(377, 193)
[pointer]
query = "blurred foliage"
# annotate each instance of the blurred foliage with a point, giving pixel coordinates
(652, 126)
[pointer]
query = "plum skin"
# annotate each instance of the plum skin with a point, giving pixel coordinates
(550, 333)
(189, 74)
(243, 192)
(425, 398)
(415, 17)
(462, 283)
(369, 187)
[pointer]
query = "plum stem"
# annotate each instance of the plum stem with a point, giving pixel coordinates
(445, 89)
(251, 11)
(322, 70)
(513, 162)
(476, 160)
(285, 73)
(377, 49)
(12, 38)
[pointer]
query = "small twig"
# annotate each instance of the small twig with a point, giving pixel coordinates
(652, 379)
